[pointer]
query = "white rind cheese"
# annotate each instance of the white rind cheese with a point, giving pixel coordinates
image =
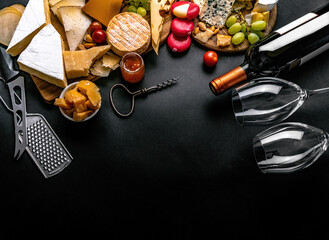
(264, 5)
(43, 57)
(215, 12)
(35, 17)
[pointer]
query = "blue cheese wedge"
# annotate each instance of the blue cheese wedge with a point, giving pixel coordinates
(215, 12)
(43, 57)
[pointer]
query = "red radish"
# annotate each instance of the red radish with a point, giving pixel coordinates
(183, 9)
(178, 44)
(182, 27)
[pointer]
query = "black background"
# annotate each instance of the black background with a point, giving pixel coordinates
(179, 168)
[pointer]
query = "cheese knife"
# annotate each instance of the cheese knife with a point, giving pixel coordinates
(10, 74)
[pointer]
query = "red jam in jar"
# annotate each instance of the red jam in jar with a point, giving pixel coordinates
(132, 67)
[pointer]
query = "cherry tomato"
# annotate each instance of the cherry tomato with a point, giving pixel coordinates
(95, 26)
(210, 58)
(99, 36)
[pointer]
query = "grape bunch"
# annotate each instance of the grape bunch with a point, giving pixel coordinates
(239, 30)
(140, 7)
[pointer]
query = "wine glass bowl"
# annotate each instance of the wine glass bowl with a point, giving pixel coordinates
(266, 100)
(289, 147)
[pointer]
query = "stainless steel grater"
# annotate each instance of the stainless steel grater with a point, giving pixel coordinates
(44, 147)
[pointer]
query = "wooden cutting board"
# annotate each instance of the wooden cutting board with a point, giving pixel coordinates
(212, 42)
(49, 91)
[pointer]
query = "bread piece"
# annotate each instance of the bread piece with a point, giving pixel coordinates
(78, 63)
(75, 23)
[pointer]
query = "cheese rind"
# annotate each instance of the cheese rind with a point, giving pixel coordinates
(215, 12)
(34, 18)
(128, 32)
(43, 57)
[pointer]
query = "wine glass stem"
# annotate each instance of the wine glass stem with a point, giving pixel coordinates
(317, 91)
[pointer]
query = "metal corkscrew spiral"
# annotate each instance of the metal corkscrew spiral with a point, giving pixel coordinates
(167, 83)
(143, 91)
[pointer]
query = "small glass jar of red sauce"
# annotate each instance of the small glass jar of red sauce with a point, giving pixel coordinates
(132, 67)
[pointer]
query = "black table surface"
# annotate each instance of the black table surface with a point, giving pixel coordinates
(179, 168)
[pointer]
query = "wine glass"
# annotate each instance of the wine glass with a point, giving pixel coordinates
(288, 147)
(268, 100)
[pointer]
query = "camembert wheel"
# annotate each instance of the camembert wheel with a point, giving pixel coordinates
(128, 32)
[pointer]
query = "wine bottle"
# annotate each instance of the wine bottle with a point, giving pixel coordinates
(281, 51)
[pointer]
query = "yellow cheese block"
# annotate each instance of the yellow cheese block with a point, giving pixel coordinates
(78, 63)
(102, 10)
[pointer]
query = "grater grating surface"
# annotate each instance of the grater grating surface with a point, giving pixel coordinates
(44, 147)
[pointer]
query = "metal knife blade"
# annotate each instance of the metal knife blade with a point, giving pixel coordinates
(10, 73)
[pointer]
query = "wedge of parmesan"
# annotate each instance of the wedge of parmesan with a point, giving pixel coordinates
(105, 65)
(99, 70)
(111, 60)
(78, 63)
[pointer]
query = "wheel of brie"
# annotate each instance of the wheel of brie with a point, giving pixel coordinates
(128, 32)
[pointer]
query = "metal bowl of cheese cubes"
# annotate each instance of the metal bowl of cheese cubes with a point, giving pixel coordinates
(79, 101)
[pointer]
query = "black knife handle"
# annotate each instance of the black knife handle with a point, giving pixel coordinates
(8, 66)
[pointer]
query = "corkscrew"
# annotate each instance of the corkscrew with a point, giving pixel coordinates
(143, 91)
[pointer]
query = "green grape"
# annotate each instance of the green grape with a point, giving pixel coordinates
(132, 3)
(146, 6)
(137, 2)
(143, 2)
(132, 9)
(243, 28)
(258, 25)
(238, 38)
(230, 21)
(236, 27)
(141, 11)
(260, 34)
(253, 38)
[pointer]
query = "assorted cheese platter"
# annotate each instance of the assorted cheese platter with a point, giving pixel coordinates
(57, 44)
(63, 41)
(217, 18)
